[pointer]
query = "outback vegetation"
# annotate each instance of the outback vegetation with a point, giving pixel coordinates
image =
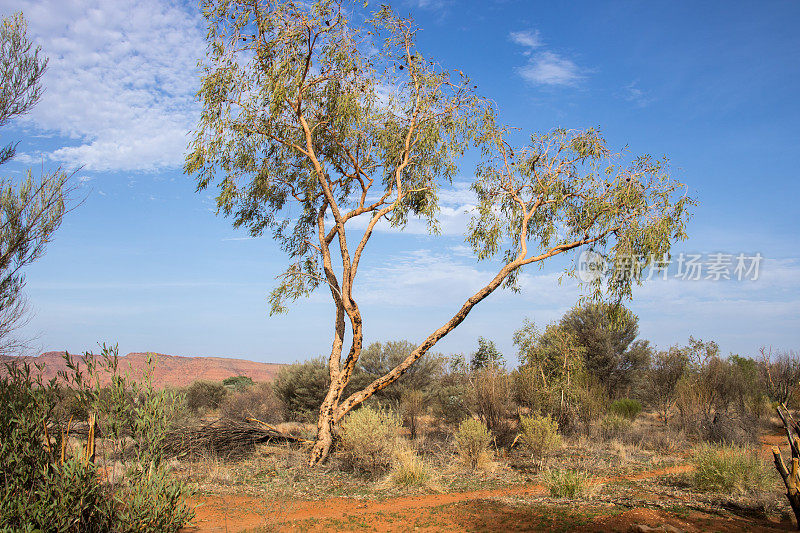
(317, 128)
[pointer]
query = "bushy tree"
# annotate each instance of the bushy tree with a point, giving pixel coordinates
(205, 395)
(378, 359)
(31, 210)
(487, 355)
(608, 334)
(312, 123)
(780, 374)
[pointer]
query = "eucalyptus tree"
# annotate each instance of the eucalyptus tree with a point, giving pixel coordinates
(318, 128)
(31, 210)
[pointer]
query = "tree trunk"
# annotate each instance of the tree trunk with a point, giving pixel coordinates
(325, 423)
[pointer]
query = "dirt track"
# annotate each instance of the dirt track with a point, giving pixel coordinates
(241, 512)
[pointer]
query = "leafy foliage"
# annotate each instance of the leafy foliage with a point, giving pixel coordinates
(311, 120)
(626, 407)
(486, 356)
(237, 383)
(472, 440)
(539, 434)
(49, 487)
(205, 395)
(369, 440)
(31, 210)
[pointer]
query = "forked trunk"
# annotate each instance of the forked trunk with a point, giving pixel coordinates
(324, 440)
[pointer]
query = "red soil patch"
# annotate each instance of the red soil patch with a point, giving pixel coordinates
(238, 512)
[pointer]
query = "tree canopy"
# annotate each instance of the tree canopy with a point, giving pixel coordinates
(317, 128)
(31, 210)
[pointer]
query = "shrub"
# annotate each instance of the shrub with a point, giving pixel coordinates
(259, 402)
(568, 483)
(408, 469)
(614, 425)
(302, 387)
(369, 440)
(449, 403)
(729, 469)
(472, 440)
(46, 486)
(491, 397)
(627, 407)
(539, 434)
(205, 395)
(238, 383)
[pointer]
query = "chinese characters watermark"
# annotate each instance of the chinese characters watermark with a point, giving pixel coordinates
(715, 266)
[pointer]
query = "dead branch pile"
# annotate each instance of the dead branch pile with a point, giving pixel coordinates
(224, 437)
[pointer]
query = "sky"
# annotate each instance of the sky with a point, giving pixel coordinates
(145, 262)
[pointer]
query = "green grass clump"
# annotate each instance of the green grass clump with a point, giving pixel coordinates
(539, 434)
(568, 483)
(409, 470)
(626, 407)
(729, 469)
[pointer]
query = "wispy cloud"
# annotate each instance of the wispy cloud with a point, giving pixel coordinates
(544, 67)
(432, 5)
(633, 93)
(549, 68)
(120, 81)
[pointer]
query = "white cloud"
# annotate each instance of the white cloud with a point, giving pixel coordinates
(120, 81)
(549, 68)
(544, 67)
(529, 39)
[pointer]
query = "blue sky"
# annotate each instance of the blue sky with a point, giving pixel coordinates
(144, 261)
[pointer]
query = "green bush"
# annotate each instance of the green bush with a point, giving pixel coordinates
(37, 488)
(259, 402)
(539, 434)
(614, 425)
(449, 403)
(369, 439)
(237, 383)
(730, 469)
(568, 483)
(472, 440)
(626, 407)
(205, 395)
(302, 387)
(46, 486)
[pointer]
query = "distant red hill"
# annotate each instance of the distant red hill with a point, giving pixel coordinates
(170, 370)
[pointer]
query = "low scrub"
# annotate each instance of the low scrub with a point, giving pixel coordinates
(369, 439)
(566, 483)
(539, 434)
(614, 426)
(730, 469)
(409, 470)
(257, 401)
(48, 485)
(626, 407)
(472, 440)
